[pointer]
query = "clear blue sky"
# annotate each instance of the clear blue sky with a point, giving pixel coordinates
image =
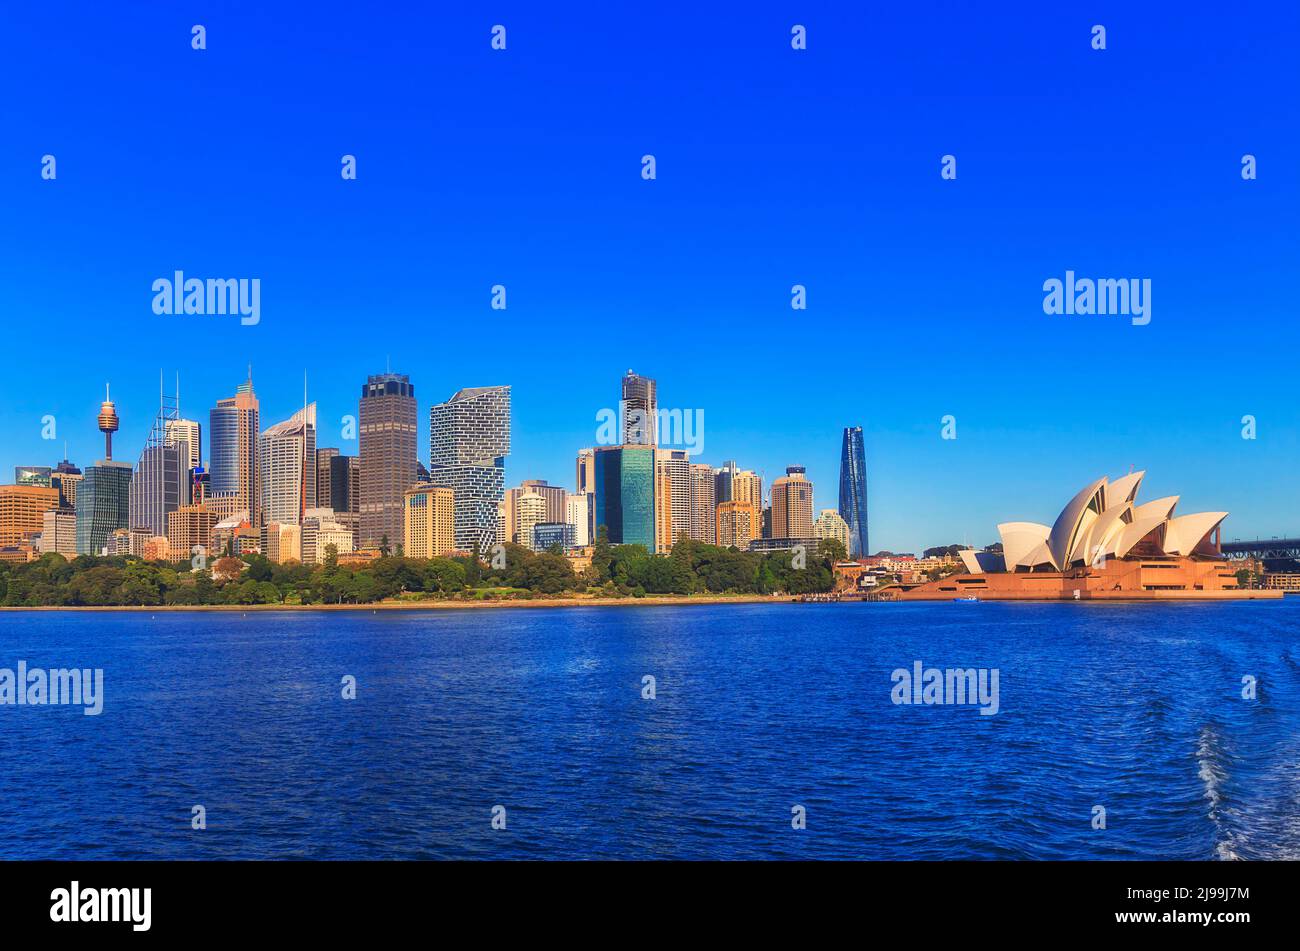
(775, 167)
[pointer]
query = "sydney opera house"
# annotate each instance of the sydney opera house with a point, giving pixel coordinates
(1103, 545)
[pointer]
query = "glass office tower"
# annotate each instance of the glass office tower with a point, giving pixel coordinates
(853, 490)
(103, 504)
(233, 427)
(625, 494)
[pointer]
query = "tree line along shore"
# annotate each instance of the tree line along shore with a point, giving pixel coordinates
(616, 572)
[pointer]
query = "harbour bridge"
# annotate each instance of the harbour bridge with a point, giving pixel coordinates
(1277, 554)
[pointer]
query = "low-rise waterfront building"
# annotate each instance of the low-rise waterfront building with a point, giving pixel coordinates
(282, 542)
(550, 535)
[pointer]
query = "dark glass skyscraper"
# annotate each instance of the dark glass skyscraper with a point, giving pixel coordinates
(625, 494)
(103, 504)
(853, 490)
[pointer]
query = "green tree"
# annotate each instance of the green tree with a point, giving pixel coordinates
(259, 568)
(602, 557)
(831, 549)
(547, 573)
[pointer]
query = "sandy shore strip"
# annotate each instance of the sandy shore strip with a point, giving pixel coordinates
(438, 605)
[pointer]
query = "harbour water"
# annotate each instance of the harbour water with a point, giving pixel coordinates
(757, 709)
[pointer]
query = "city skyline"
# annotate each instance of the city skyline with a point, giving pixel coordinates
(126, 449)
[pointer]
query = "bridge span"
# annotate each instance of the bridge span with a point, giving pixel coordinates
(1263, 548)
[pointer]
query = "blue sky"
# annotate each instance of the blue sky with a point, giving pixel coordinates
(775, 167)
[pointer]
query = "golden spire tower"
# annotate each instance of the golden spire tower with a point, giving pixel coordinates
(107, 423)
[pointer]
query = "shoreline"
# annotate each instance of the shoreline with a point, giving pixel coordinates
(434, 605)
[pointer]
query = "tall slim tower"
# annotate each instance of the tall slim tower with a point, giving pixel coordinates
(586, 471)
(639, 411)
(233, 426)
(672, 496)
(161, 482)
(469, 439)
(388, 455)
(853, 490)
(107, 423)
(104, 494)
(704, 503)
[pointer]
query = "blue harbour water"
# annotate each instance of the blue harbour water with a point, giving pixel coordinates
(1135, 707)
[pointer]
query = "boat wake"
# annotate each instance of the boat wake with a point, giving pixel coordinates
(1212, 770)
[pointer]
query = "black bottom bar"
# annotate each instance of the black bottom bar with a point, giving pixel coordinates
(336, 900)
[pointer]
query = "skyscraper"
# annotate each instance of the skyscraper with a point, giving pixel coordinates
(625, 494)
(734, 484)
(387, 451)
(663, 507)
(469, 439)
(723, 479)
(190, 431)
(579, 509)
(704, 503)
(161, 482)
(585, 480)
(747, 486)
(324, 476)
(554, 497)
(673, 471)
(338, 487)
(233, 426)
(792, 505)
(853, 490)
(287, 460)
(65, 478)
(553, 494)
(737, 524)
(103, 504)
(529, 511)
(638, 409)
